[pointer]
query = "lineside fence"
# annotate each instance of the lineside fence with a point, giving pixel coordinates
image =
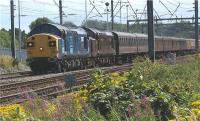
(19, 55)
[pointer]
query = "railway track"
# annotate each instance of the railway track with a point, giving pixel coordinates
(15, 75)
(48, 87)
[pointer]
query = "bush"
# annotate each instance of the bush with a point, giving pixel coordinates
(148, 92)
(6, 61)
(165, 86)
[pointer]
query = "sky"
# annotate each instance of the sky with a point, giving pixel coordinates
(74, 10)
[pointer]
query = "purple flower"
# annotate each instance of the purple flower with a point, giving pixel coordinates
(144, 102)
(137, 114)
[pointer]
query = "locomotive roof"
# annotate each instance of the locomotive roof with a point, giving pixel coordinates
(49, 28)
(55, 36)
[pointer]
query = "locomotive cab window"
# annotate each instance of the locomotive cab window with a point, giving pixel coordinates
(52, 43)
(30, 44)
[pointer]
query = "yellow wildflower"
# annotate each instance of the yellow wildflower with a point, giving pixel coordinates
(189, 118)
(196, 103)
(51, 108)
(195, 110)
(172, 120)
(115, 74)
(13, 111)
(198, 113)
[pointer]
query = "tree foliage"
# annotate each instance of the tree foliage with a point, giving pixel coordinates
(5, 38)
(39, 21)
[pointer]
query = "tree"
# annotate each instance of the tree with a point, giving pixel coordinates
(5, 39)
(39, 21)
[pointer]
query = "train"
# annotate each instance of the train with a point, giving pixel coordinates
(53, 47)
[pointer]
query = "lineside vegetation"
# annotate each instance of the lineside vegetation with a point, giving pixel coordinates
(148, 92)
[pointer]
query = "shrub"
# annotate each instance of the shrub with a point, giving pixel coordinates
(6, 61)
(165, 86)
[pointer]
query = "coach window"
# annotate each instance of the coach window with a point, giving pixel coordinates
(142, 41)
(128, 42)
(139, 41)
(122, 41)
(125, 39)
(112, 43)
(85, 43)
(146, 41)
(131, 42)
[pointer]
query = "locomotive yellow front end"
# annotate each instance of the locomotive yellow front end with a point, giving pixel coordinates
(42, 52)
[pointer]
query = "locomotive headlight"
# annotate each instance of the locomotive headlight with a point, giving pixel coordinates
(52, 43)
(41, 48)
(30, 44)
